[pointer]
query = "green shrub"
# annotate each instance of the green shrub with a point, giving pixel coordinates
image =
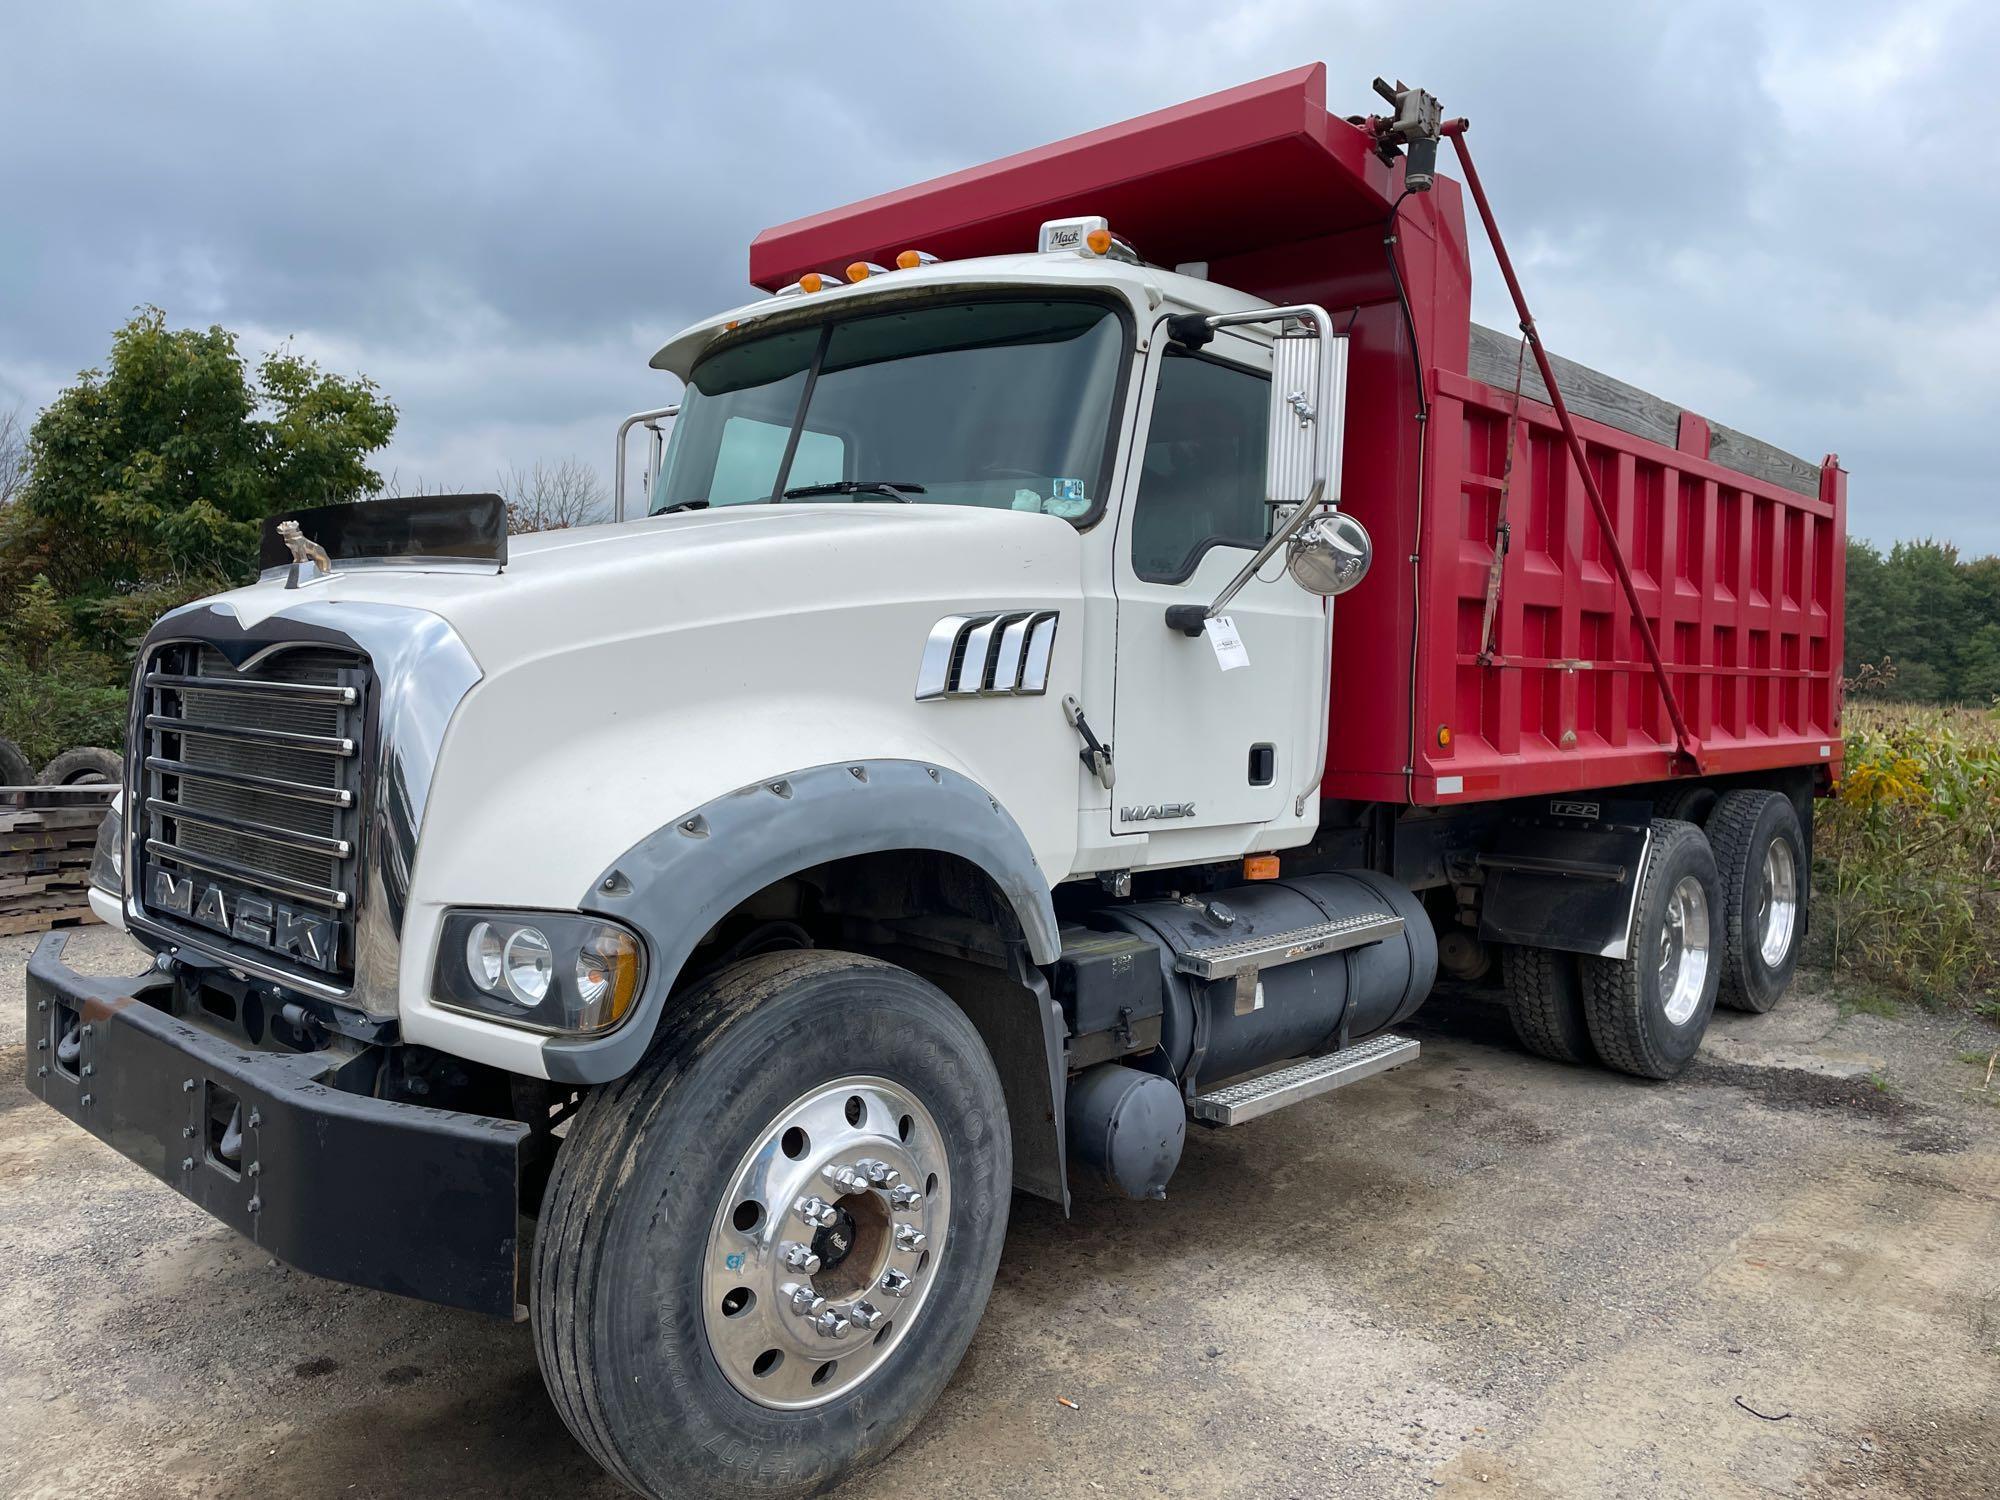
(61, 708)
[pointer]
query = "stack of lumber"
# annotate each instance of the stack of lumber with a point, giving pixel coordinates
(46, 837)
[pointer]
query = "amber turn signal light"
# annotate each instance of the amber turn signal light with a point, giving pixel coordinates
(1260, 867)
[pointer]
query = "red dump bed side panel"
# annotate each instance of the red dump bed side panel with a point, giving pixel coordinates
(1741, 581)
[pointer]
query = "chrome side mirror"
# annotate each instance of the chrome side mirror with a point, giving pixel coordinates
(1330, 554)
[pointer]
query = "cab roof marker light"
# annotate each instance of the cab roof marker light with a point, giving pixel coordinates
(1089, 236)
(1072, 235)
(909, 260)
(812, 281)
(861, 270)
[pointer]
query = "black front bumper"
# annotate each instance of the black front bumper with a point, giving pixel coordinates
(422, 1202)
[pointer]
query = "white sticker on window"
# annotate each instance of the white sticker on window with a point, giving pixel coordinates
(1229, 649)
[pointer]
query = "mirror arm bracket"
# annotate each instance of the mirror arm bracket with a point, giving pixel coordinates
(658, 414)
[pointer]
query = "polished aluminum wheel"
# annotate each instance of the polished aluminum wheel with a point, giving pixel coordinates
(1684, 950)
(822, 1251)
(1778, 912)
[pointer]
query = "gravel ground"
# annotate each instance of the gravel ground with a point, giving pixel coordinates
(1478, 1275)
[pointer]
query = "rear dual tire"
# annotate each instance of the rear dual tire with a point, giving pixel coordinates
(1760, 859)
(1545, 1003)
(1646, 1012)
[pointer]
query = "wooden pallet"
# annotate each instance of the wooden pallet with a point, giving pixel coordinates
(47, 835)
(14, 923)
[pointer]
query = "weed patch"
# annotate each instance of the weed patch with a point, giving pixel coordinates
(1907, 856)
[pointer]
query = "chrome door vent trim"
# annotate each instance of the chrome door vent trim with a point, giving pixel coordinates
(988, 656)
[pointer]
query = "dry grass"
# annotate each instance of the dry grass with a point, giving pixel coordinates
(1908, 855)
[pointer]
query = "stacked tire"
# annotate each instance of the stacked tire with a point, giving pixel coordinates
(83, 767)
(1719, 918)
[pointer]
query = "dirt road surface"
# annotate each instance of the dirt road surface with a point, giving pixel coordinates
(1482, 1275)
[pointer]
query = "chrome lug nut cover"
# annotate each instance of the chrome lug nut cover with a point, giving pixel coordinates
(904, 1197)
(815, 1210)
(798, 1257)
(802, 1300)
(908, 1238)
(897, 1283)
(865, 1314)
(830, 1324)
(879, 1173)
(847, 1179)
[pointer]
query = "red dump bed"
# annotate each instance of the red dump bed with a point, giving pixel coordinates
(1737, 549)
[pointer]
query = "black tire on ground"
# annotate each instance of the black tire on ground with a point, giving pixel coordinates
(14, 768)
(1758, 844)
(1689, 802)
(651, 1162)
(81, 767)
(1626, 999)
(1545, 1003)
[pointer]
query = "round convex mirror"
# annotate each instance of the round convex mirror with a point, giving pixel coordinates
(1330, 555)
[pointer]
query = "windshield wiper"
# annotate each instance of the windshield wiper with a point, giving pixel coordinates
(897, 491)
(667, 510)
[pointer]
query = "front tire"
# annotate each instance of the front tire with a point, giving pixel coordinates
(1761, 857)
(762, 1254)
(1648, 1010)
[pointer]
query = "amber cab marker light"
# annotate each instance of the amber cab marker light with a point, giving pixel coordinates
(909, 260)
(1444, 736)
(1099, 241)
(861, 270)
(812, 281)
(1260, 867)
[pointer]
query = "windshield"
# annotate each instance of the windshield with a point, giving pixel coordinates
(1004, 404)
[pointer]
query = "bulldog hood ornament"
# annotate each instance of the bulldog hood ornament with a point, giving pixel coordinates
(304, 550)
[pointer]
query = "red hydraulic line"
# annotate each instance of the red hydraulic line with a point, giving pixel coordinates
(1689, 746)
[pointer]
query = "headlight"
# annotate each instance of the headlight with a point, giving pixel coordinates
(544, 971)
(107, 859)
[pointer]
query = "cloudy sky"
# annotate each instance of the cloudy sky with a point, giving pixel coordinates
(1784, 216)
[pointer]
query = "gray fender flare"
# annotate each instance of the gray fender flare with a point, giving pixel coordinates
(679, 881)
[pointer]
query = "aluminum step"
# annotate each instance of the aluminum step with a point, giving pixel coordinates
(1245, 955)
(1316, 1075)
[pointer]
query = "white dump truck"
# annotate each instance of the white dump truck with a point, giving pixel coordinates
(686, 934)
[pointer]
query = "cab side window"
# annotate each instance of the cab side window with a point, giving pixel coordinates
(1201, 480)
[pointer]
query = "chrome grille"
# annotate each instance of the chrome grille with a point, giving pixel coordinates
(250, 812)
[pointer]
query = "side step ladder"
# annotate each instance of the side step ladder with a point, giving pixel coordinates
(1301, 1081)
(1269, 950)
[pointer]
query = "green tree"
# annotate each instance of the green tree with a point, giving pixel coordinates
(152, 477)
(1979, 665)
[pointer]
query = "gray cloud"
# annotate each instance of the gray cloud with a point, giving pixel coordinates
(1775, 215)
